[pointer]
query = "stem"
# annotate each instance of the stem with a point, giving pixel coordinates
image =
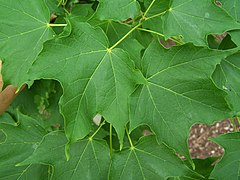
(57, 25)
(129, 138)
(111, 148)
(63, 2)
(67, 146)
(157, 33)
(149, 7)
(126, 35)
(156, 15)
(100, 126)
(139, 24)
(150, 31)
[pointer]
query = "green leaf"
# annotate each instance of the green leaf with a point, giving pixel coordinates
(194, 24)
(144, 38)
(205, 166)
(118, 10)
(116, 31)
(82, 12)
(226, 76)
(235, 36)
(202, 166)
(227, 43)
(179, 93)
(228, 167)
(95, 79)
(54, 7)
(155, 11)
(24, 28)
(89, 159)
(232, 7)
(7, 118)
(148, 160)
(21, 140)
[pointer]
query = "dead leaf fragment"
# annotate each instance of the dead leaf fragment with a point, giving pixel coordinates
(1, 81)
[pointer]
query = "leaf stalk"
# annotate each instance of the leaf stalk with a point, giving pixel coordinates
(57, 25)
(100, 126)
(124, 37)
(129, 139)
(159, 34)
(111, 147)
(149, 7)
(144, 18)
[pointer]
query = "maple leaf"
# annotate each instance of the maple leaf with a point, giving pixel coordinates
(22, 34)
(95, 79)
(179, 93)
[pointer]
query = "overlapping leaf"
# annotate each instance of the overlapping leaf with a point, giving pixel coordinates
(192, 19)
(154, 14)
(179, 92)
(54, 7)
(95, 79)
(235, 35)
(23, 30)
(229, 166)
(148, 160)
(226, 76)
(232, 7)
(21, 140)
(119, 10)
(89, 159)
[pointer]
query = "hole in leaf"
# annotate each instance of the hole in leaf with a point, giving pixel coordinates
(220, 41)
(200, 146)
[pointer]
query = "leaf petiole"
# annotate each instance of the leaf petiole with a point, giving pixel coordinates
(56, 25)
(139, 24)
(126, 35)
(159, 34)
(156, 15)
(111, 148)
(150, 31)
(129, 138)
(62, 2)
(149, 7)
(100, 126)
